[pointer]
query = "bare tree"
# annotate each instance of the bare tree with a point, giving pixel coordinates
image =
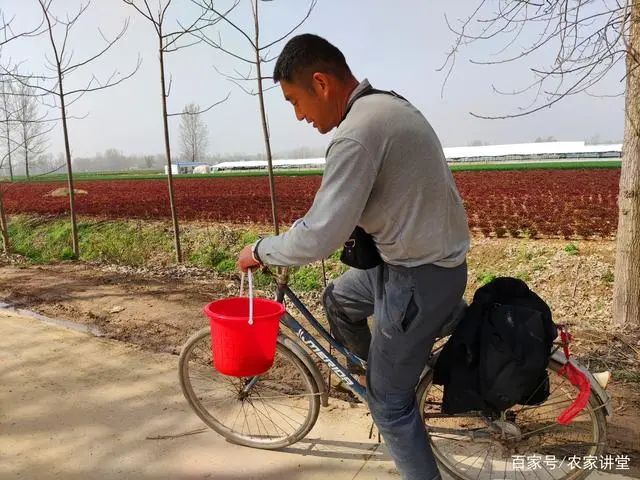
(12, 147)
(259, 57)
(4, 230)
(149, 161)
(63, 67)
(32, 129)
(193, 133)
(168, 41)
(7, 35)
(587, 39)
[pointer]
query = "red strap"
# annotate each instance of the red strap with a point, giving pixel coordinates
(579, 379)
(576, 377)
(565, 337)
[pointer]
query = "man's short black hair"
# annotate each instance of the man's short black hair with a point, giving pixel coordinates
(306, 54)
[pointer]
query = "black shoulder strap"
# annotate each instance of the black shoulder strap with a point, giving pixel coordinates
(370, 91)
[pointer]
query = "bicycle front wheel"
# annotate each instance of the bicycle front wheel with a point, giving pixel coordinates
(526, 442)
(271, 411)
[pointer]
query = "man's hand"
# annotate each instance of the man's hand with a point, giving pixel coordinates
(246, 260)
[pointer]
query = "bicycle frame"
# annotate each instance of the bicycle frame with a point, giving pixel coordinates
(312, 343)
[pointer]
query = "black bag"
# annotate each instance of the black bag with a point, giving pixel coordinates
(360, 251)
(498, 355)
(514, 357)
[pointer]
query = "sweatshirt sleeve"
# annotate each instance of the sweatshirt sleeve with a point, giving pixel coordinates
(347, 181)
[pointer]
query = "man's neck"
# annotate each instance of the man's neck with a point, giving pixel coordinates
(345, 94)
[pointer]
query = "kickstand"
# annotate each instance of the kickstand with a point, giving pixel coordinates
(371, 432)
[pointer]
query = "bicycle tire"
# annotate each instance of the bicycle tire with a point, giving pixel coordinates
(594, 407)
(249, 440)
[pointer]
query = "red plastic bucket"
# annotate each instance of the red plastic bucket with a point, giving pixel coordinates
(241, 349)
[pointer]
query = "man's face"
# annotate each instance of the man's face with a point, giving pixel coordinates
(312, 103)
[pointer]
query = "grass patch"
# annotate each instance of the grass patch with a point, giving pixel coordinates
(160, 175)
(455, 166)
(625, 375)
(571, 249)
(210, 256)
(306, 279)
(483, 277)
(249, 237)
(43, 241)
(228, 265)
(124, 242)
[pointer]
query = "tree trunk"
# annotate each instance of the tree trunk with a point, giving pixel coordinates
(265, 128)
(7, 116)
(26, 148)
(3, 226)
(626, 291)
(9, 153)
(174, 215)
(67, 149)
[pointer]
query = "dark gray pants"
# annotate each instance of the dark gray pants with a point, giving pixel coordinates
(410, 305)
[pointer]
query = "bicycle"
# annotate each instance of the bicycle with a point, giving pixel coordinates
(284, 403)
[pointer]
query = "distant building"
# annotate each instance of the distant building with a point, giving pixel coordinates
(184, 167)
(519, 152)
(532, 151)
(287, 164)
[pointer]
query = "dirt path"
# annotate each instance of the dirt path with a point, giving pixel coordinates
(119, 413)
(154, 313)
(159, 312)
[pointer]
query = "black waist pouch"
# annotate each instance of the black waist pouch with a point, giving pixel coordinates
(360, 251)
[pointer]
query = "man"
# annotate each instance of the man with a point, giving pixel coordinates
(386, 172)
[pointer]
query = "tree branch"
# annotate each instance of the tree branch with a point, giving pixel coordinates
(8, 34)
(251, 92)
(140, 11)
(104, 50)
(169, 87)
(217, 46)
(107, 84)
(46, 13)
(244, 89)
(588, 43)
(208, 5)
(164, 11)
(68, 25)
(188, 30)
(50, 172)
(20, 79)
(200, 111)
(175, 49)
(240, 77)
(312, 4)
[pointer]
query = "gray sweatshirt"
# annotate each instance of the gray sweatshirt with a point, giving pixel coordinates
(385, 171)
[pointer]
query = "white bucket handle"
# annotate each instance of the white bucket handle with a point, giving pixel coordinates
(250, 294)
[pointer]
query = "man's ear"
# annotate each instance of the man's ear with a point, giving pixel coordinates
(321, 83)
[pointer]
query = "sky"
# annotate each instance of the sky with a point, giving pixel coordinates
(395, 45)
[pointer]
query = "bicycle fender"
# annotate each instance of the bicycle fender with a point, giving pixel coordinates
(602, 395)
(305, 358)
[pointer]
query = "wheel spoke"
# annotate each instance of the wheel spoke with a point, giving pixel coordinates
(526, 430)
(274, 412)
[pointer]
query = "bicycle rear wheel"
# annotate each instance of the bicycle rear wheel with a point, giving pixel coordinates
(527, 442)
(271, 411)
